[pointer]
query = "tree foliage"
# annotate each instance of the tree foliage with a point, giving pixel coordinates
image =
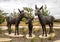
(2, 16)
(28, 11)
(44, 11)
(24, 19)
(3, 13)
(14, 14)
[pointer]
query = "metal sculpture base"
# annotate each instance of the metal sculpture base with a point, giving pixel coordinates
(27, 36)
(5, 39)
(52, 35)
(12, 35)
(44, 36)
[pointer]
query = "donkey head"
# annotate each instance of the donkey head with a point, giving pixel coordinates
(22, 13)
(37, 10)
(29, 20)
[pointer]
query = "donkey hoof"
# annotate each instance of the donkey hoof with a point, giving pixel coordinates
(17, 34)
(30, 35)
(46, 35)
(9, 33)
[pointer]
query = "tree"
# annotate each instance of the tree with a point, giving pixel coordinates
(44, 11)
(29, 11)
(3, 13)
(2, 16)
(1, 19)
(14, 14)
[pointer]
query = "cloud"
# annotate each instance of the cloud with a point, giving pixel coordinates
(10, 6)
(52, 5)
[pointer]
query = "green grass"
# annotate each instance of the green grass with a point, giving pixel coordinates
(33, 39)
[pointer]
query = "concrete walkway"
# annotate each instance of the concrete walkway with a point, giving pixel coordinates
(5, 27)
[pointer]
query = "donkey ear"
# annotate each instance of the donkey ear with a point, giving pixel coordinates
(22, 10)
(19, 10)
(41, 7)
(35, 6)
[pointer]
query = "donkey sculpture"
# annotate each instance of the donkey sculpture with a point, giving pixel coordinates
(44, 20)
(30, 26)
(16, 21)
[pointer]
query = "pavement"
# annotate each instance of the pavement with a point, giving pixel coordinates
(5, 27)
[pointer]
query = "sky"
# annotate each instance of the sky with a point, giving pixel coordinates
(11, 5)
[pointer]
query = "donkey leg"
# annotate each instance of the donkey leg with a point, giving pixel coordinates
(30, 31)
(51, 28)
(17, 30)
(9, 28)
(43, 30)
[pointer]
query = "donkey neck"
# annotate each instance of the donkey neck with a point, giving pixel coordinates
(40, 16)
(19, 18)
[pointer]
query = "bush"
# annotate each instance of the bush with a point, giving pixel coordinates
(2, 19)
(24, 19)
(0, 30)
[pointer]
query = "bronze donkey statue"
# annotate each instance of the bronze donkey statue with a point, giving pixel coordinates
(44, 20)
(15, 20)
